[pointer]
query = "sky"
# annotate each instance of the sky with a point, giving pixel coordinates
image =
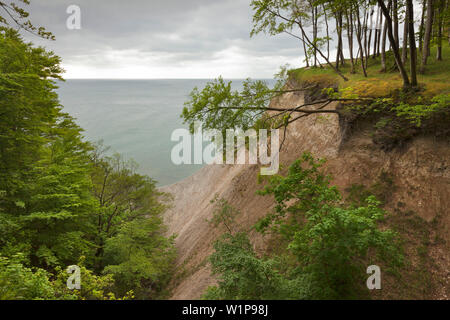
(162, 39)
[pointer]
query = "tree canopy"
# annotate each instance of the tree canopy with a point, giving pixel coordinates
(64, 201)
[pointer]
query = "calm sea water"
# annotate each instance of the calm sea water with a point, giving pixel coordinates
(135, 118)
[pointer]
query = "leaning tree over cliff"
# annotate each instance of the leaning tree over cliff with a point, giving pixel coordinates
(218, 107)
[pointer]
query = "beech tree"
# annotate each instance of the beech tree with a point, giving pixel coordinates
(427, 35)
(218, 107)
(60, 200)
(280, 16)
(394, 45)
(412, 42)
(373, 24)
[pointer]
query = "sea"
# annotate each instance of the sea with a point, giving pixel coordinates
(135, 118)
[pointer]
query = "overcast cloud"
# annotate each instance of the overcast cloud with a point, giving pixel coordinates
(162, 39)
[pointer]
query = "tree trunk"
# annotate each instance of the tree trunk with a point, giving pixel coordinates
(304, 48)
(448, 24)
(405, 38)
(394, 46)
(383, 43)
(375, 41)
(427, 35)
(395, 8)
(379, 27)
(366, 38)
(357, 56)
(338, 53)
(304, 37)
(412, 42)
(350, 39)
(314, 20)
(327, 30)
(359, 31)
(313, 45)
(377, 34)
(439, 31)
(422, 24)
(341, 28)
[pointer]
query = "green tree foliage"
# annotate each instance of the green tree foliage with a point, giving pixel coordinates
(242, 274)
(13, 14)
(122, 196)
(140, 257)
(417, 113)
(44, 170)
(93, 287)
(224, 214)
(328, 245)
(330, 241)
(62, 199)
(219, 106)
(29, 107)
(19, 282)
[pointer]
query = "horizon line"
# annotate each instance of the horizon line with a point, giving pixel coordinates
(166, 78)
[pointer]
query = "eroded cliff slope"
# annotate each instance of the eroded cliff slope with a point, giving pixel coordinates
(413, 181)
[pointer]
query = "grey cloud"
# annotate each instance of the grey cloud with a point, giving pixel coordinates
(170, 31)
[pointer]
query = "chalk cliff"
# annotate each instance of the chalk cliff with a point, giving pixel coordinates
(416, 178)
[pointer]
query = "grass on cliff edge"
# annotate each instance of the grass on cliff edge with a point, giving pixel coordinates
(436, 79)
